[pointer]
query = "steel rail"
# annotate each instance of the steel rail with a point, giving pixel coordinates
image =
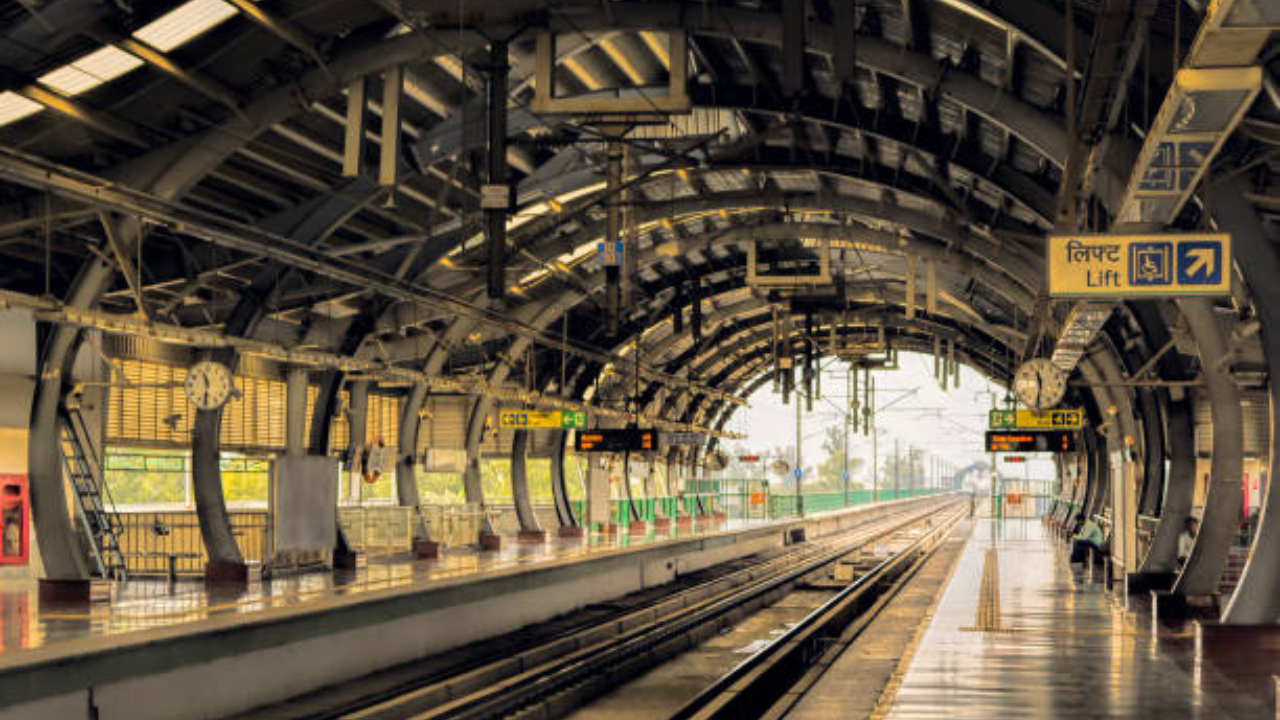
(588, 668)
(350, 704)
(768, 678)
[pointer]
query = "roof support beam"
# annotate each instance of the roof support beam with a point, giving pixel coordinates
(194, 79)
(36, 173)
(281, 28)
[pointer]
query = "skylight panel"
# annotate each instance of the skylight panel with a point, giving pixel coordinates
(108, 63)
(102, 65)
(14, 107)
(185, 23)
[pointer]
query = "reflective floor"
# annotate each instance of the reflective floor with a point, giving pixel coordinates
(151, 603)
(1018, 635)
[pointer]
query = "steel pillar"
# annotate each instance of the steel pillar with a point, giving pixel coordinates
(559, 490)
(520, 483)
(1222, 502)
(496, 217)
(1257, 596)
(1179, 485)
(225, 559)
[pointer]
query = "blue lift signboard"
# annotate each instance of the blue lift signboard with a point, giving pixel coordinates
(1137, 266)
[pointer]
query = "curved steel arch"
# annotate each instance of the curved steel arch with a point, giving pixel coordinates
(929, 144)
(168, 173)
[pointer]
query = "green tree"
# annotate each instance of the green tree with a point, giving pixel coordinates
(831, 470)
(908, 468)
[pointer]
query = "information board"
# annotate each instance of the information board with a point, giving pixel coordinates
(682, 438)
(617, 440)
(1124, 266)
(541, 419)
(1057, 419)
(1025, 441)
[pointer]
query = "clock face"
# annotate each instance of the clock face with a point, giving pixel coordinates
(208, 385)
(1040, 384)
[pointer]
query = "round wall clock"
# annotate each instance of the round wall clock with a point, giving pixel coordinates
(1040, 384)
(209, 385)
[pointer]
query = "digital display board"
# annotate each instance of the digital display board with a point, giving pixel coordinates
(617, 440)
(1024, 441)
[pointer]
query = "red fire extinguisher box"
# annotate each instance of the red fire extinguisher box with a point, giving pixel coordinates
(14, 520)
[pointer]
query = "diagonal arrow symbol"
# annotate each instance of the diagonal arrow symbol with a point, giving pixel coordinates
(1201, 259)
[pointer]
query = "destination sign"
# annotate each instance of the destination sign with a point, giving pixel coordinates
(1059, 419)
(618, 440)
(542, 419)
(1025, 441)
(1123, 266)
(682, 438)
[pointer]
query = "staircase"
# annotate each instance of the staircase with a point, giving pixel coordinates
(97, 514)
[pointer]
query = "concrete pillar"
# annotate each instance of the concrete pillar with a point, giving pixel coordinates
(358, 415)
(295, 412)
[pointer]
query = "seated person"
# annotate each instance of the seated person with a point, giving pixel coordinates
(1187, 540)
(1089, 537)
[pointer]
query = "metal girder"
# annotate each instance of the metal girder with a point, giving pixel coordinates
(194, 79)
(280, 27)
(1222, 501)
(1257, 596)
(100, 193)
(169, 172)
(74, 109)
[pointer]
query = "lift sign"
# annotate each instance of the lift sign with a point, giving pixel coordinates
(1136, 266)
(1026, 441)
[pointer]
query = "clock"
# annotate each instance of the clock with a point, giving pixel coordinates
(1040, 384)
(208, 385)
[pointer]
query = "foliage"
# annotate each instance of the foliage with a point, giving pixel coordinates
(831, 470)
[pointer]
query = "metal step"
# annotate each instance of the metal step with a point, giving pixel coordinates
(98, 518)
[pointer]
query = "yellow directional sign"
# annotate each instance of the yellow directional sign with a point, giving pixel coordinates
(541, 419)
(1060, 419)
(1121, 266)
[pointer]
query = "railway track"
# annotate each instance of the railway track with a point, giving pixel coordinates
(551, 676)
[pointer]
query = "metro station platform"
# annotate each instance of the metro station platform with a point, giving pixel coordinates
(198, 653)
(1018, 633)
(149, 602)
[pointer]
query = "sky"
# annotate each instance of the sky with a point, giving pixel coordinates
(913, 411)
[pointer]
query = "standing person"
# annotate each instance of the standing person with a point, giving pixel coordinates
(1090, 536)
(1187, 540)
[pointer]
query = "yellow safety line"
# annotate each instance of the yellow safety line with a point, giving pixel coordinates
(890, 692)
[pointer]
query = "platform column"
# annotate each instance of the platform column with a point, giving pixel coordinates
(569, 527)
(530, 530)
(406, 480)
(1222, 501)
(1257, 596)
(226, 563)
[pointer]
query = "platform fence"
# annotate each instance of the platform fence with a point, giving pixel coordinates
(169, 543)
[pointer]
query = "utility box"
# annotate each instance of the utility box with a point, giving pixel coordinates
(15, 520)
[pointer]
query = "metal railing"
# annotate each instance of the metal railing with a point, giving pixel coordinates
(169, 542)
(377, 529)
(453, 525)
